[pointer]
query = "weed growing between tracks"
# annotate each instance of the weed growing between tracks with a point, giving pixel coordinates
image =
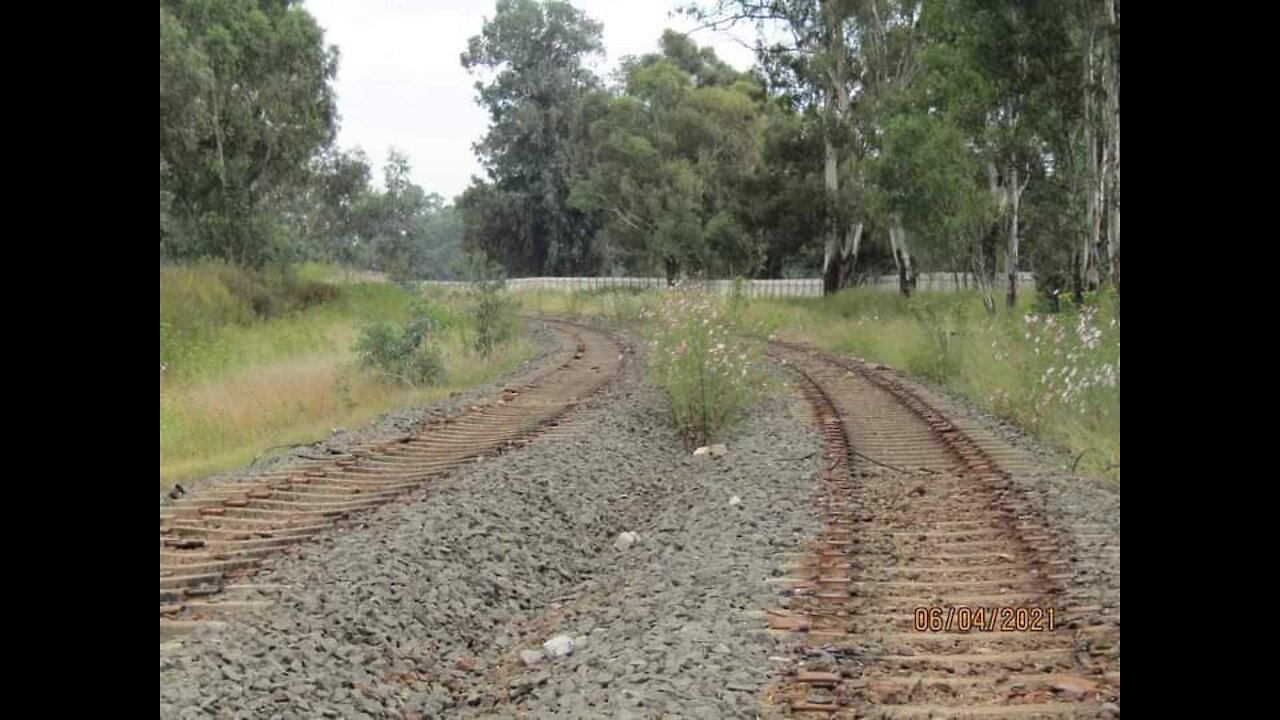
(708, 370)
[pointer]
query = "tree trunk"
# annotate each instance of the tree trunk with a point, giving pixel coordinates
(999, 190)
(1113, 226)
(906, 275)
(838, 267)
(1093, 279)
(985, 281)
(901, 255)
(1011, 255)
(1113, 106)
(831, 274)
(1077, 283)
(985, 269)
(849, 255)
(230, 248)
(1089, 255)
(841, 248)
(989, 256)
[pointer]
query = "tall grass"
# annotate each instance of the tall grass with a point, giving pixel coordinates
(215, 317)
(235, 382)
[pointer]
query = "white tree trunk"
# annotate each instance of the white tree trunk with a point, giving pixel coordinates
(978, 266)
(1089, 253)
(838, 257)
(901, 254)
(845, 256)
(1011, 254)
(1113, 107)
(1113, 230)
(985, 265)
(852, 244)
(893, 247)
(908, 281)
(831, 247)
(998, 191)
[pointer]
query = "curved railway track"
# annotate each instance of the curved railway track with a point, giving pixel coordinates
(919, 513)
(214, 538)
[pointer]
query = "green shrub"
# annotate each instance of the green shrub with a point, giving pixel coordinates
(408, 354)
(494, 316)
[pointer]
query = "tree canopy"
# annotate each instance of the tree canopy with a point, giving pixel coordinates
(871, 136)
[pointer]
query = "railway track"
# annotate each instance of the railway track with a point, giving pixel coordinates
(920, 519)
(215, 538)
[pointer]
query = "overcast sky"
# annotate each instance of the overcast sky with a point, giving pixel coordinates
(400, 83)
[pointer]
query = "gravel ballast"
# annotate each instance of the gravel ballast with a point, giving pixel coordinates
(603, 571)
(507, 589)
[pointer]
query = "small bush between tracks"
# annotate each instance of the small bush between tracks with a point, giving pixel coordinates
(708, 371)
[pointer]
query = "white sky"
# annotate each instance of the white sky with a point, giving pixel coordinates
(400, 82)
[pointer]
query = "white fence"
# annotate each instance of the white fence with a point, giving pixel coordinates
(792, 287)
(947, 282)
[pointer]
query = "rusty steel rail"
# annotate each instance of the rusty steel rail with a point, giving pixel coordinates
(932, 526)
(220, 534)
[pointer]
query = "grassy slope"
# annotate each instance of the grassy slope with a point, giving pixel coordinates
(236, 384)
